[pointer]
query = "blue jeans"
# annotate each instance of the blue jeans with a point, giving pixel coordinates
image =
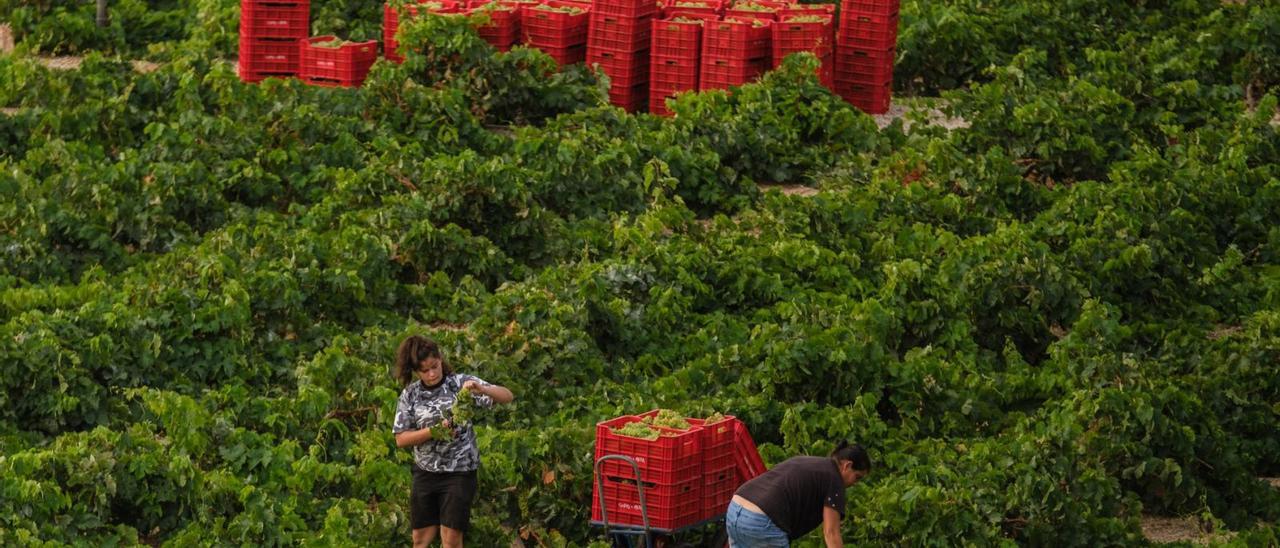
(748, 529)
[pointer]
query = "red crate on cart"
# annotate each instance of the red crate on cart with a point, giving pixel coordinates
(795, 36)
(625, 69)
(618, 33)
(544, 27)
(865, 65)
(717, 442)
(673, 458)
(668, 507)
(677, 38)
(269, 57)
(736, 39)
(717, 488)
(867, 31)
(748, 462)
(345, 65)
(275, 19)
(871, 7)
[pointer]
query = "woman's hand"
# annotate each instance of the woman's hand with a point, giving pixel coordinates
(499, 394)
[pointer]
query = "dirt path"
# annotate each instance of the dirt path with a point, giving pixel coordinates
(1185, 529)
(932, 107)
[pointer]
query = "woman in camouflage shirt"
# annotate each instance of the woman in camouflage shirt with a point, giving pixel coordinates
(444, 470)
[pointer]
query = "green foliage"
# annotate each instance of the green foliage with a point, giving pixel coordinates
(1042, 325)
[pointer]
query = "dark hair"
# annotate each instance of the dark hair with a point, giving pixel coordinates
(410, 354)
(854, 453)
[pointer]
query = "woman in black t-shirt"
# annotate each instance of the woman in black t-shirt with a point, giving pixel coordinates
(444, 470)
(793, 498)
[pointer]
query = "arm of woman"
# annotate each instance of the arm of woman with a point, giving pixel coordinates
(831, 527)
(413, 437)
(498, 393)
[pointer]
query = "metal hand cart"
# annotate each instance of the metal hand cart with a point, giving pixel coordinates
(622, 536)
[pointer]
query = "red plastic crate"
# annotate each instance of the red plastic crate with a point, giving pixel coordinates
(871, 99)
(749, 464)
(867, 30)
(673, 73)
(625, 70)
(791, 37)
(670, 508)
(346, 65)
(268, 56)
(713, 8)
(717, 442)
(571, 55)
(874, 66)
(751, 14)
(658, 95)
(554, 29)
(503, 29)
(618, 33)
(641, 9)
(875, 7)
(668, 460)
(717, 489)
(629, 101)
(726, 73)
(391, 24)
(259, 19)
(736, 40)
(677, 38)
(807, 9)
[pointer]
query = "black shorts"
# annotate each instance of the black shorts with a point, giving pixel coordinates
(442, 498)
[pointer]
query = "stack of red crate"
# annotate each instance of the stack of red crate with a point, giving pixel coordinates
(503, 28)
(342, 66)
(391, 22)
(719, 468)
(734, 52)
(811, 32)
(618, 42)
(557, 28)
(269, 34)
(670, 473)
(866, 44)
(688, 475)
(673, 58)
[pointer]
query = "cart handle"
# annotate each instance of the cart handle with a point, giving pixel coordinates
(604, 508)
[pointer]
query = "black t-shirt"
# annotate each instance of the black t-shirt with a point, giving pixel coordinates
(794, 493)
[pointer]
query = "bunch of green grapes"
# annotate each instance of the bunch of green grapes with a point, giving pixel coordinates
(637, 430)
(464, 407)
(441, 432)
(668, 419)
(714, 418)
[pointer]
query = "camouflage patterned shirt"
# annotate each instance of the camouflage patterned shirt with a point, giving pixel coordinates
(420, 407)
